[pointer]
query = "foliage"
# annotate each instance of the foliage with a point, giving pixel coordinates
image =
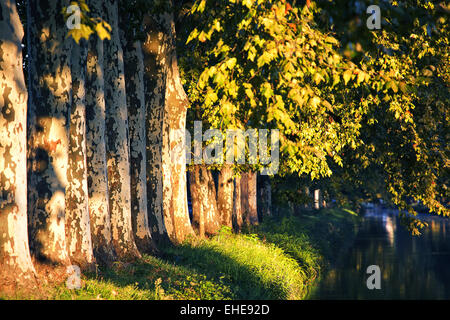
(368, 106)
(264, 64)
(88, 25)
(405, 133)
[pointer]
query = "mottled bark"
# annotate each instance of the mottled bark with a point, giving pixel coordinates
(49, 99)
(169, 171)
(174, 165)
(265, 197)
(204, 201)
(15, 260)
(237, 219)
(248, 198)
(78, 230)
(100, 218)
(117, 146)
(225, 195)
(134, 80)
(154, 50)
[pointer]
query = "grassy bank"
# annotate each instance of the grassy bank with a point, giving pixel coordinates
(277, 260)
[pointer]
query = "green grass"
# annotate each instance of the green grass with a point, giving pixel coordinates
(279, 259)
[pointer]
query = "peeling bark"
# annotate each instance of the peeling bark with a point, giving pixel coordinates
(100, 218)
(134, 80)
(154, 51)
(49, 99)
(174, 166)
(225, 195)
(204, 201)
(117, 146)
(248, 198)
(168, 174)
(15, 259)
(78, 230)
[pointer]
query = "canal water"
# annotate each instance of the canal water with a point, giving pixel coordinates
(412, 267)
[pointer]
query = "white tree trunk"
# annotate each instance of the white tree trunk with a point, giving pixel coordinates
(78, 230)
(135, 89)
(117, 146)
(15, 260)
(174, 167)
(155, 51)
(49, 100)
(169, 172)
(96, 149)
(317, 199)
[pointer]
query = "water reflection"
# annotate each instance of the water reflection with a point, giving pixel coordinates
(412, 267)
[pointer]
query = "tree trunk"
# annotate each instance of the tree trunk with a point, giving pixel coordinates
(308, 197)
(317, 199)
(174, 165)
(15, 260)
(134, 80)
(49, 99)
(167, 128)
(204, 203)
(198, 216)
(237, 219)
(248, 198)
(117, 146)
(225, 196)
(96, 149)
(265, 197)
(78, 230)
(154, 50)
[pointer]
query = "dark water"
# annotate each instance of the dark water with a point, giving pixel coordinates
(411, 267)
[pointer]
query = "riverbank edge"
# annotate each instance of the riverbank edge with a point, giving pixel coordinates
(282, 258)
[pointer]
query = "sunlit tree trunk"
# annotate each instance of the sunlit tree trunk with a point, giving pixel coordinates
(237, 219)
(248, 198)
(117, 146)
(204, 201)
(96, 149)
(174, 167)
(317, 199)
(49, 84)
(170, 172)
(225, 195)
(134, 80)
(15, 260)
(78, 230)
(154, 50)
